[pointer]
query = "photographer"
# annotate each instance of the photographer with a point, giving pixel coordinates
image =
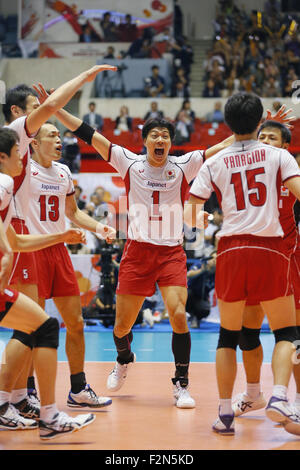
(200, 282)
(70, 152)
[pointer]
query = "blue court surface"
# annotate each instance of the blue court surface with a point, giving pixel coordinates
(150, 344)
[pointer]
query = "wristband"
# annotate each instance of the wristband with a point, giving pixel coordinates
(85, 133)
(105, 231)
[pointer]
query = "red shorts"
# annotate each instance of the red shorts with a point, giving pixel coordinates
(7, 299)
(56, 273)
(24, 267)
(144, 264)
(252, 268)
(295, 276)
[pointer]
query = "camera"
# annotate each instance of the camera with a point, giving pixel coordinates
(102, 306)
(122, 67)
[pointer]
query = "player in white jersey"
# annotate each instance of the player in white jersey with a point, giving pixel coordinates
(24, 114)
(51, 200)
(247, 177)
(18, 310)
(156, 186)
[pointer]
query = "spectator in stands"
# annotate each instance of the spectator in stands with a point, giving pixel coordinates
(89, 34)
(211, 90)
(141, 48)
(216, 115)
(109, 29)
(186, 106)
(271, 88)
(155, 84)
(110, 53)
(124, 121)
(183, 90)
(127, 31)
(154, 112)
(183, 128)
(272, 7)
(71, 152)
(80, 202)
(183, 54)
(92, 118)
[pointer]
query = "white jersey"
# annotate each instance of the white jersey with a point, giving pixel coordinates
(49, 188)
(247, 177)
(22, 182)
(155, 195)
(6, 196)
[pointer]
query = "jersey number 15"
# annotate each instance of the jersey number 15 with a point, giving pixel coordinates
(257, 198)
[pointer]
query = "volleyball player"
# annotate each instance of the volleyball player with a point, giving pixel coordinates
(51, 199)
(277, 135)
(252, 260)
(18, 310)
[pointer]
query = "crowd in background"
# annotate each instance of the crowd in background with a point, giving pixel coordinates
(255, 52)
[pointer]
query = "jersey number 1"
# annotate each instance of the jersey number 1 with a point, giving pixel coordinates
(52, 206)
(155, 207)
(257, 198)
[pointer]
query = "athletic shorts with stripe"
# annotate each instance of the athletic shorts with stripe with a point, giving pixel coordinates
(145, 264)
(24, 265)
(57, 277)
(252, 268)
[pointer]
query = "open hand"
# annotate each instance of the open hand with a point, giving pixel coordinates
(281, 116)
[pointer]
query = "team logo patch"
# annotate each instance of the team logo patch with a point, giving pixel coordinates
(284, 191)
(34, 173)
(170, 174)
(61, 175)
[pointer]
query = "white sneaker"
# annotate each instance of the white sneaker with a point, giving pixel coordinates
(64, 424)
(242, 403)
(12, 420)
(281, 411)
(224, 425)
(148, 317)
(118, 375)
(182, 397)
(87, 398)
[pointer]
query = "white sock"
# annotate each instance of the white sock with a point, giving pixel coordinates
(280, 391)
(253, 390)
(297, 399)
(18, 395)
(4, 397)
(225, 406)
(47, 412)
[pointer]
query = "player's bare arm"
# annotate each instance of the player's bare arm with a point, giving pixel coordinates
(23, 243)
(193, 215)
(60, 97)
(293, 184)
(83, 220)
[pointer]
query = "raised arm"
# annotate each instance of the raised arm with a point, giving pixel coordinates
(220, 146)
(60, 97)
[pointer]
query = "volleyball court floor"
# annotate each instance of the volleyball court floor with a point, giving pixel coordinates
(142, 415)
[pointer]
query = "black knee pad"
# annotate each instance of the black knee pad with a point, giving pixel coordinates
(228, 338)
(289, 333)
(46, 336)
(24, 338)
(249, 339)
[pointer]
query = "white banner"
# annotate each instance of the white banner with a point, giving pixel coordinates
(31, 19)
(73, 50)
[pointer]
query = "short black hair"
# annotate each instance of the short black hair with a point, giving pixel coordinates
(285, 132)
(8, 138)
(160, 123)
(243, 112)
(17, 96)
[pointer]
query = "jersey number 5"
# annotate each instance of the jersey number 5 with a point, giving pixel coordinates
(257, 198)
(51, 206)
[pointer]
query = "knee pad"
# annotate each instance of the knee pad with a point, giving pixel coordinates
(289, 333)
(24, 338)
(46, 336)
(249, 339)
(228, 338)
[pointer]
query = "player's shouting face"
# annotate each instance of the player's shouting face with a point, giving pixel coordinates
(158, 144)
